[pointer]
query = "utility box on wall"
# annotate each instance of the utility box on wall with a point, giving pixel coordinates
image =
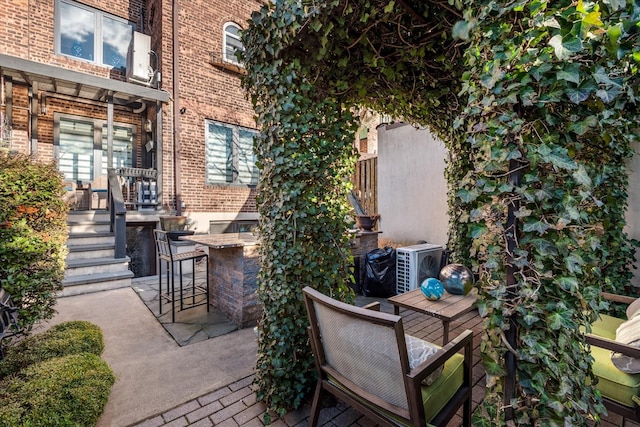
(138, 68)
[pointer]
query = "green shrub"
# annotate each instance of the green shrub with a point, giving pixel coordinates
(61, 340)
(33, 233)
(63, 391)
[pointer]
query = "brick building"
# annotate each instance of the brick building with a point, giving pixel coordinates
(91, 85)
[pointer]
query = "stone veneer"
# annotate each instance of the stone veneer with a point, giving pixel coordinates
(233, 272)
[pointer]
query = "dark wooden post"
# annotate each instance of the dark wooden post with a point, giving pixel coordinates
(512, 333)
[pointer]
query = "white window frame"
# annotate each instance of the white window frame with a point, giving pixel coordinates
(98, 41)
(226, 46)
(230, 167)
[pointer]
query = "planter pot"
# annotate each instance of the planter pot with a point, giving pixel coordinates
(366, 222)
(173, 223)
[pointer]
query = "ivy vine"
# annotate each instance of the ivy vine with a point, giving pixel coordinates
(536, 103)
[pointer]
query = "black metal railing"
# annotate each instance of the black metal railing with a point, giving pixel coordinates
(117, 213)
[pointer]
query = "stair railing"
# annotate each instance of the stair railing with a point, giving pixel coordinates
(117, 213)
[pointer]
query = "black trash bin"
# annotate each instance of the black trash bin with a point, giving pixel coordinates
(380, 275)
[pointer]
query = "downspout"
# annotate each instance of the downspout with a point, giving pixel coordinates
(176, 112)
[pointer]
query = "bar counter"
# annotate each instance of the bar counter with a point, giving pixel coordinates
(234, 263)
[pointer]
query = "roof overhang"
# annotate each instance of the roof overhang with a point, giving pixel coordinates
(59, 80)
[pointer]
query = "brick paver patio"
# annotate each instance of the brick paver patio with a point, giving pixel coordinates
(235, 404)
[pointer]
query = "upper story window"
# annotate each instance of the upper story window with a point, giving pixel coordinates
(92, 35)
(231, 42)
(229, 154)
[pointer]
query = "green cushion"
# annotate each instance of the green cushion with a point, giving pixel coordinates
(613, 383)
(606, 326)
(435, 396)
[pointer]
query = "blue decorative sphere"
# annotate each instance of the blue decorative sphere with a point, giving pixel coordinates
(456, 279)
(432, 288)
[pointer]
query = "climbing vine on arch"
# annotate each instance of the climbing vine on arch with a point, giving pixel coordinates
(535, 102)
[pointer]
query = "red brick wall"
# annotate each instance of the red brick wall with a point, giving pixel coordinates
(210, 93)
(206, 92)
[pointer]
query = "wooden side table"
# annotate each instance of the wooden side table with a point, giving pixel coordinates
(447, 308)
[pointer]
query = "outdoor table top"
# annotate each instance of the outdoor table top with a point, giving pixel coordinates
(221, 241)
(448, 308)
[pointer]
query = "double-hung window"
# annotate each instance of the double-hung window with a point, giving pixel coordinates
(229, 154)
(90, 34)
(231, 42)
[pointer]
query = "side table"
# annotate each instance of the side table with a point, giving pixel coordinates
(447, 308)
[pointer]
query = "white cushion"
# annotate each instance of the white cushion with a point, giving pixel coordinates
(633, 308)
(627, 333)
(418, 351)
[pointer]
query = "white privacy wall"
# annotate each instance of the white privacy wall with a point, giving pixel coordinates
(412, 191)
(412, 197)
(633, 210)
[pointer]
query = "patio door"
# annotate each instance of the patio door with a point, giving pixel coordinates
(80, 146)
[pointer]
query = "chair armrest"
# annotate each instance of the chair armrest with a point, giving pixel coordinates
(612, 345)
(372, 306)
(624, 299)
(462, 341)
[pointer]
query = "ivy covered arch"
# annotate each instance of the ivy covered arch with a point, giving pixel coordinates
(536, 103)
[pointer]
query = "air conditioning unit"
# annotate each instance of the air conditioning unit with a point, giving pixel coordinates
(416, 263)
(138, 68)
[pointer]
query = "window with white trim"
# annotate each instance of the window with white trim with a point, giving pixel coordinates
(229, 154)
(231, 42)
(90, 34)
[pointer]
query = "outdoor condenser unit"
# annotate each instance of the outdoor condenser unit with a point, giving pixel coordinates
(138, 68)
(416, 263)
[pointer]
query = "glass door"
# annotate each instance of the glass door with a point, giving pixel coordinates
(82, 147)
(77, 154)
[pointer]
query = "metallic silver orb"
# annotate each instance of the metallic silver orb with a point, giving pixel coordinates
(456, 279)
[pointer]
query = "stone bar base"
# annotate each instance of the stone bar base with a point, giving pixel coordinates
(233, 272)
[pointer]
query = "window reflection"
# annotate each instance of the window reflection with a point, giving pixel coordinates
(92, 35)
(116, 37)
(77, 32)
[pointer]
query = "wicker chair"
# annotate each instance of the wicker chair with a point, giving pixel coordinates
(362, 358)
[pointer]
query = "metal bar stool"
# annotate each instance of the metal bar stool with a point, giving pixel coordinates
(166, 253)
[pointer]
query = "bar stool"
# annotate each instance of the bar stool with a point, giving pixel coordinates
(187, 298)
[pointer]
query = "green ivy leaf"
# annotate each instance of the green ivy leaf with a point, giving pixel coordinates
(461, 30)
(564, 49)
(535, 226)
(570, 72)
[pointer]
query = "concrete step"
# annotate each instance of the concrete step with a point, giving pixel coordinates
(83, 267)
(80, 227)
(95, 283)
(75, 216)
(77, 252)
(95, 238)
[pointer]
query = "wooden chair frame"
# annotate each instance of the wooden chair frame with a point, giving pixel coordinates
(373, 406)
(625, 411)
